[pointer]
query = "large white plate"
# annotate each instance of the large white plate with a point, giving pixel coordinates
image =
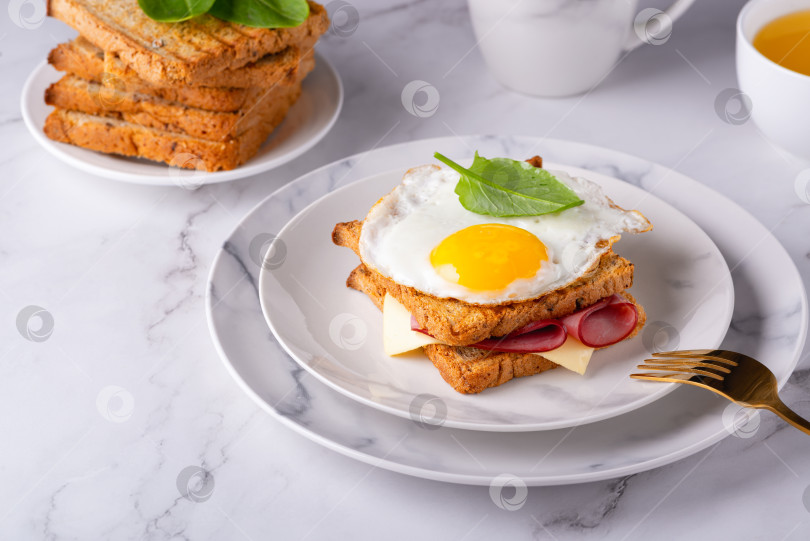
(681, 279)
(306, 123)
(769, 323)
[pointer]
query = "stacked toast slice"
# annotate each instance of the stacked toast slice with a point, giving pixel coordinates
(204, 90)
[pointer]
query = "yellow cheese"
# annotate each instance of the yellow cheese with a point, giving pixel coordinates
(397, 334)
(573, 355)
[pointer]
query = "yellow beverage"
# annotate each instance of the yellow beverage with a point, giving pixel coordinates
(786, 41)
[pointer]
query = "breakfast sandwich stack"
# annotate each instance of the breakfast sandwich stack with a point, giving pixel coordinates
(202, 93)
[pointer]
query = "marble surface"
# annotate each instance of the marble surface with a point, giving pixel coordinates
(123, 424)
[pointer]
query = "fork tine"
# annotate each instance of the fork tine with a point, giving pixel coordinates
(688, 363)
(696, 357)
(673, 378)
(682, 352)
(692, 371)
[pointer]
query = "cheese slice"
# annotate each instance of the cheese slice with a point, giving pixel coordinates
(573, 355)
(398, 337)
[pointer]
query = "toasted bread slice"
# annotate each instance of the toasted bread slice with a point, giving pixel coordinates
(466, 369)
(459, 323)
(83, 59)
(268, 71)
(187, 52)
(116, 136)
(76, 94)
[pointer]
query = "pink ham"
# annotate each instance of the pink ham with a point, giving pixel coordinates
(603, 324)
(536, 337)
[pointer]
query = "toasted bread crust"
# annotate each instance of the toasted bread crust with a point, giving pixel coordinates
(270, 70)
(83, 59)
(471, 370)
(460, 323)
(115, 136)
(77, 94)
(190, 51)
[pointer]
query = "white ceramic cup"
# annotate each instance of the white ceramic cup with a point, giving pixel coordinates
(779, 98)
(555, 48)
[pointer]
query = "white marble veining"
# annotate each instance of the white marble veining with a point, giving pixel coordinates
(103, 419)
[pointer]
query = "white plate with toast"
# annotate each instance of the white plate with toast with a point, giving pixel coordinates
(306, 123)
(770, 323)
(334, 332)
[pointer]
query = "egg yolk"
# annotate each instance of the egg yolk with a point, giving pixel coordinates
(488, 256)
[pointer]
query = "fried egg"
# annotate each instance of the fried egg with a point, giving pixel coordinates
(419, 235)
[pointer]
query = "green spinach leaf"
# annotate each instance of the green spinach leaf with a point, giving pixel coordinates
(172, 11)
(502, 187)
(262, 13)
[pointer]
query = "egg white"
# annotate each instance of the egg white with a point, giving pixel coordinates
(403, 228)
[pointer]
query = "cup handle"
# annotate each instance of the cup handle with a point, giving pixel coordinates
(672, 13)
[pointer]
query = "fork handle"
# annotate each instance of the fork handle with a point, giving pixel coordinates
(790, 416)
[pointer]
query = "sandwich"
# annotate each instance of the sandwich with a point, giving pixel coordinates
(496, 271)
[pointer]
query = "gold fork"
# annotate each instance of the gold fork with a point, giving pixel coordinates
(735, 376)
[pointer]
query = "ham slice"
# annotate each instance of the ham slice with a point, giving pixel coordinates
(536, 337)
(603, 324)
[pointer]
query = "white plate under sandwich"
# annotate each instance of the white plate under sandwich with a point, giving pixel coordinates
(681, 279)
(306, 123)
